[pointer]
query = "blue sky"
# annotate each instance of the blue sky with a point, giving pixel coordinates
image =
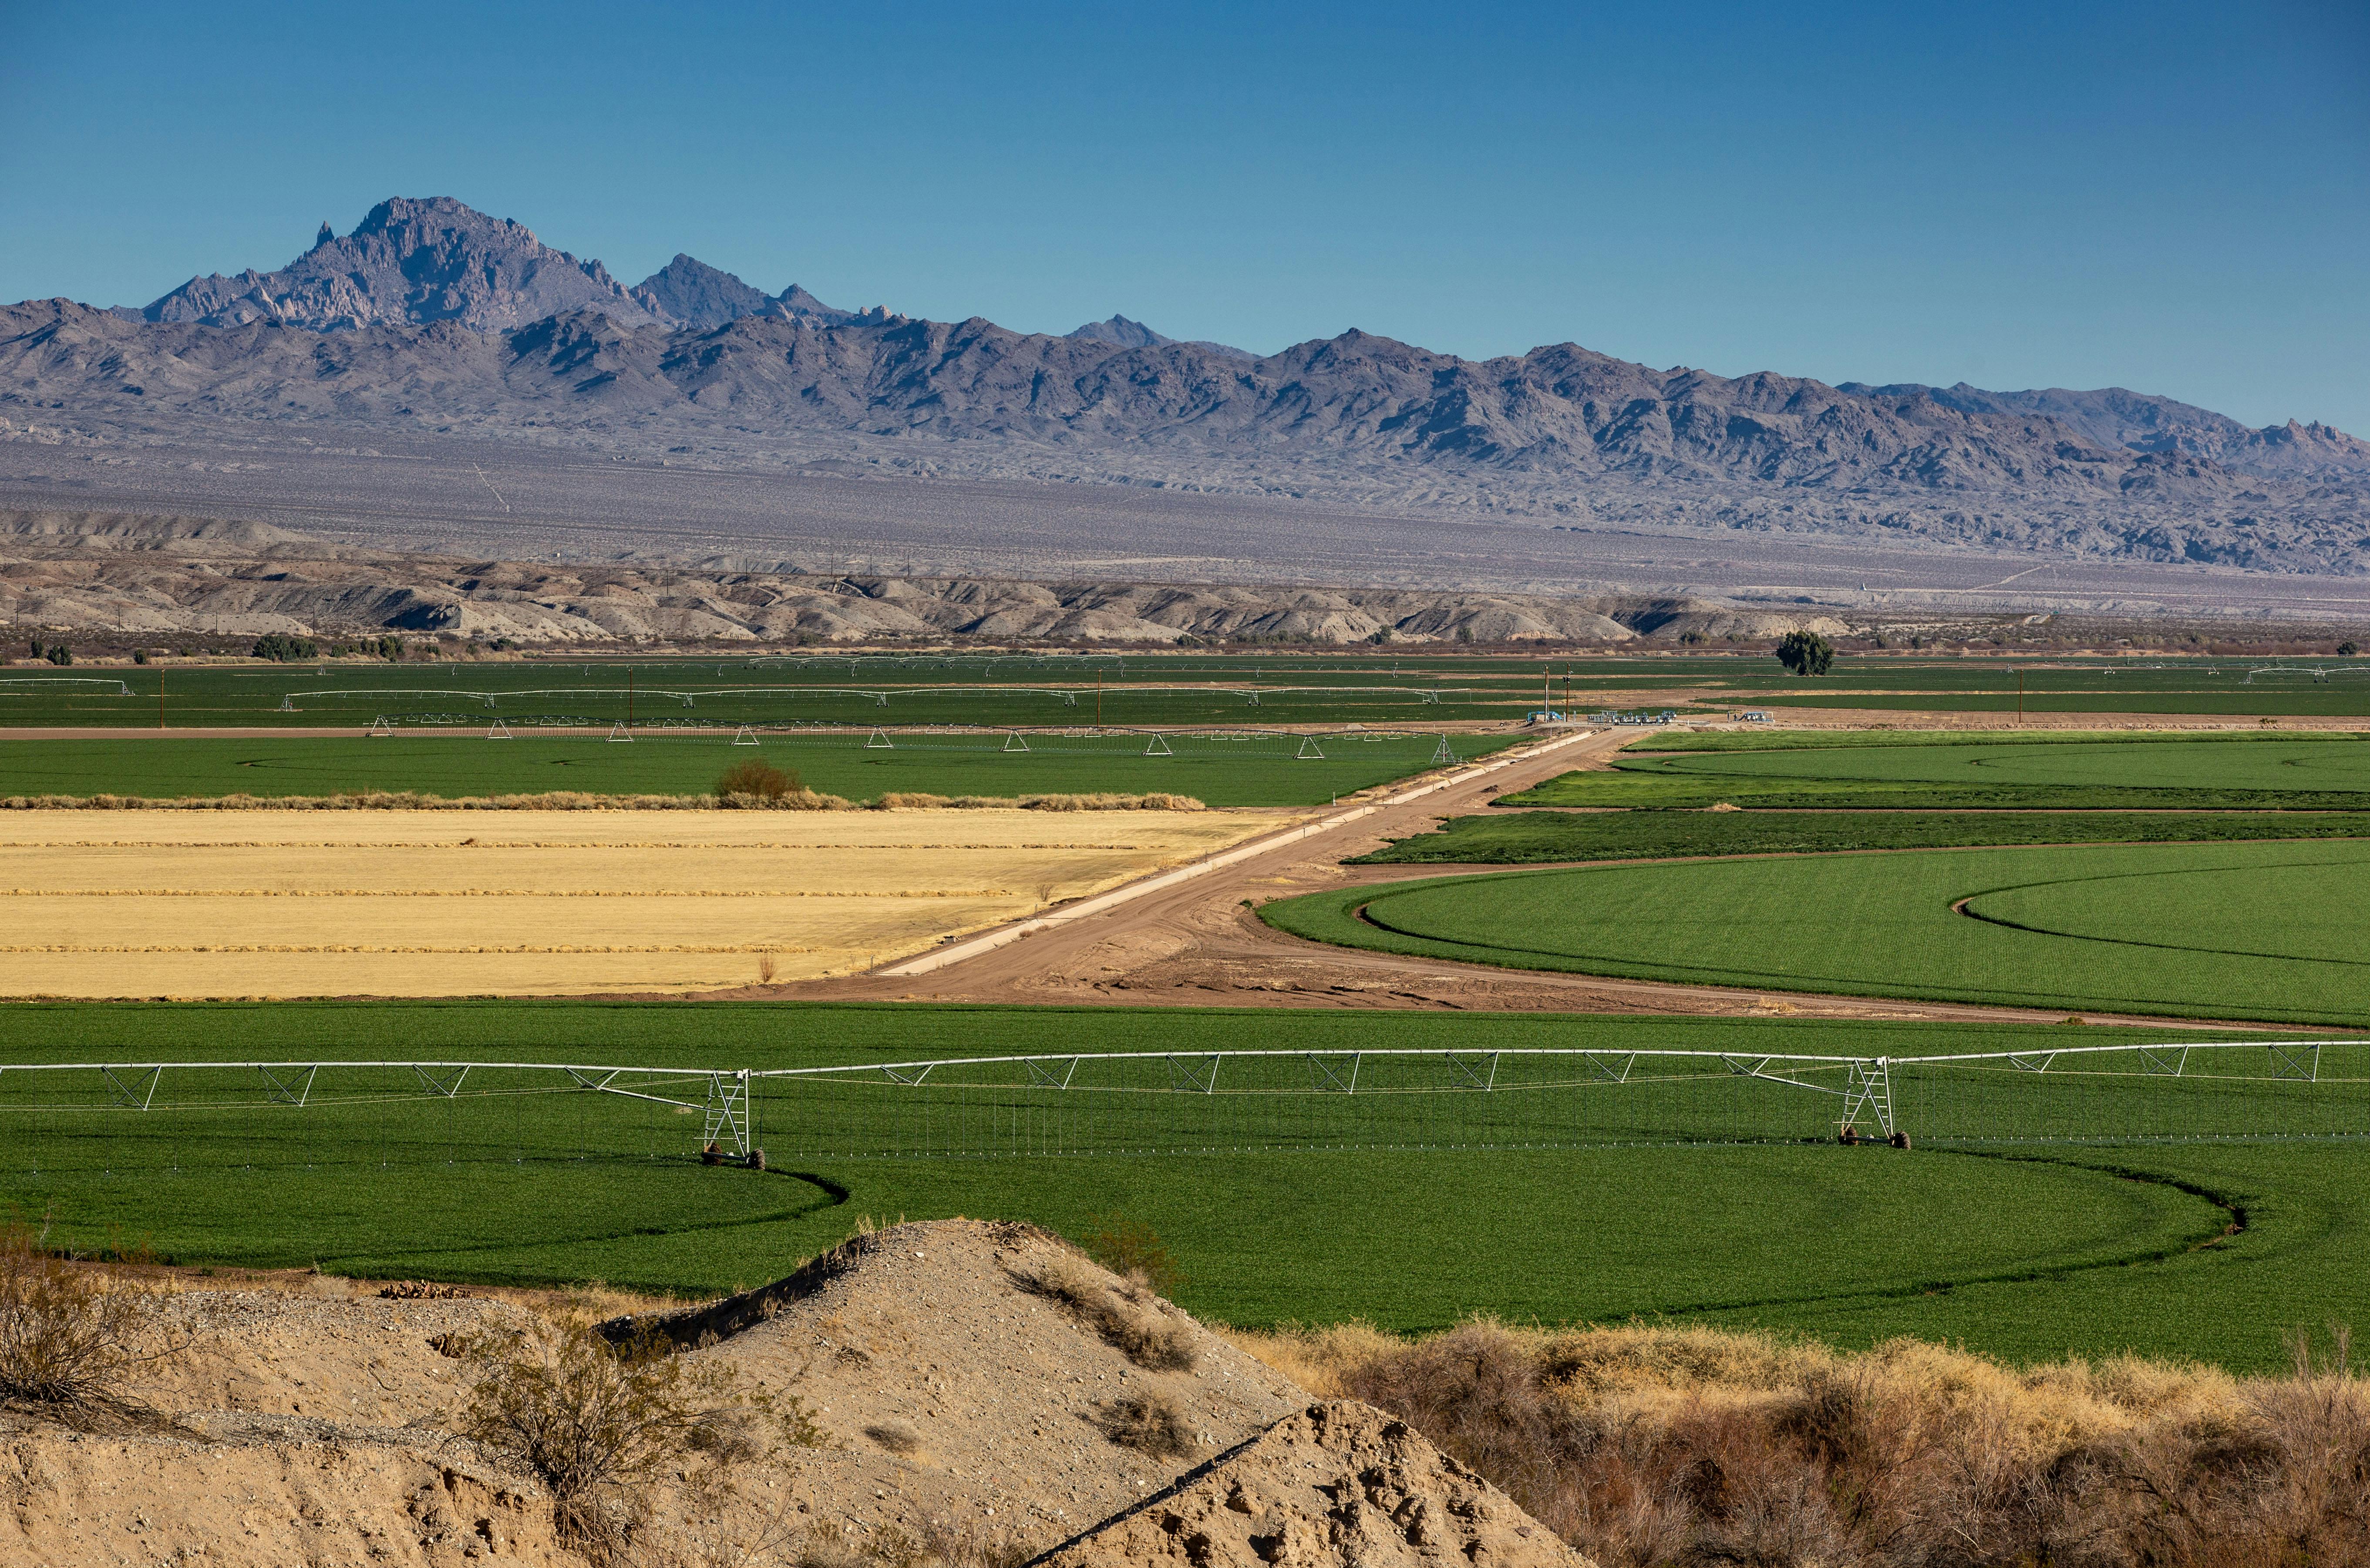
(2172, 196)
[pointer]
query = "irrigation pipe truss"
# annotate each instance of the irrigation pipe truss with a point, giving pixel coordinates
(123, 689)
(726, 1100)
(878, 696)
(990, 942)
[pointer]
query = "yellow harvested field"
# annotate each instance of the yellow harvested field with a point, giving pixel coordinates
(422, 904)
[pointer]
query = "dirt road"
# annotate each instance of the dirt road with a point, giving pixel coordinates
(1198, 944)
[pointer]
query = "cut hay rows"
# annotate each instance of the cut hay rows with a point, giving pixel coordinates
(400, 904)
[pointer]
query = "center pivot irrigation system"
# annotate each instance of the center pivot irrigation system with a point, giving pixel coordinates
(1066, 697)
(121, 1117)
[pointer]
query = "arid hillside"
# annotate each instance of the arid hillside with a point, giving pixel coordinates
(118, 573)
(964, 1394)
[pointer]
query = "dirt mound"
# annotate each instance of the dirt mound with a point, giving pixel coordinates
(304, 1428)
(971, 1382)
(1340, 1482)
(980, 1368)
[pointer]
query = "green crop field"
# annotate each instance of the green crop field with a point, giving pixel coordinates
(1539, 837)
(1169, 689)
(2275, 931)
(1032, 691)
(2310, 772)
(1254, 770)
(2027, 1248)
(2313, 765)
(1766, 740)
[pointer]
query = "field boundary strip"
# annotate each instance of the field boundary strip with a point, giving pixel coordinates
(931, 962)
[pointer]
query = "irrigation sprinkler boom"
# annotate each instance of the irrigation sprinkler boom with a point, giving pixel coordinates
(1185, 1100)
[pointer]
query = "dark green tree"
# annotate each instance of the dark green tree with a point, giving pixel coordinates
(2347, 650)
(1806, 652)
(59, 653)
(281, 649)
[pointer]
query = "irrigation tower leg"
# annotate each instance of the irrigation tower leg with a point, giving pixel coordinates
(1869, 1089)
(728, 1111)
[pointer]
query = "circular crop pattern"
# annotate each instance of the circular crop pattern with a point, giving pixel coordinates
(2244, 931)
(2286, 912)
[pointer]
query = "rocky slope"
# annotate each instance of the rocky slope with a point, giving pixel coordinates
(114, 574)
(2115, 417)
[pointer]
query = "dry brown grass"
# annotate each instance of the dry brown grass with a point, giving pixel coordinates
(939, 1544)
(188, 904)
(1126, 1312)
(1150, 1420)
(1687, 1446)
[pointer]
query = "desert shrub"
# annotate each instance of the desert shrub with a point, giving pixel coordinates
(1131, 1248)
(1126, 1313)
(1150, 1420)
(895, 1436)
(757, 781)
(597, 1422)
(1668, 1447)
(73, 1340)
(1481, 1395)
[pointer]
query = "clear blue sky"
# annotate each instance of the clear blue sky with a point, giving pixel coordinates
(2170, 195)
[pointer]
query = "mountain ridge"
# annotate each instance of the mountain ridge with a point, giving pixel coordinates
(419, 261)
(428, 319)
(2116, 416)
(1126, 334)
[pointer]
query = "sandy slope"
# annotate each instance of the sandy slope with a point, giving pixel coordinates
(312, 1426)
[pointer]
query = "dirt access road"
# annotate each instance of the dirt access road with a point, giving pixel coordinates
(1197, 943)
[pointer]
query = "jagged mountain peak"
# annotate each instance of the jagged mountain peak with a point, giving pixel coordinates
(800, 305)
(689, 292)
(1120, 332)
(412, 262)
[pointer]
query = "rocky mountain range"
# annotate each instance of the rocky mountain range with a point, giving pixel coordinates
(431, 318)
(2114, 417)
(1120, 332)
